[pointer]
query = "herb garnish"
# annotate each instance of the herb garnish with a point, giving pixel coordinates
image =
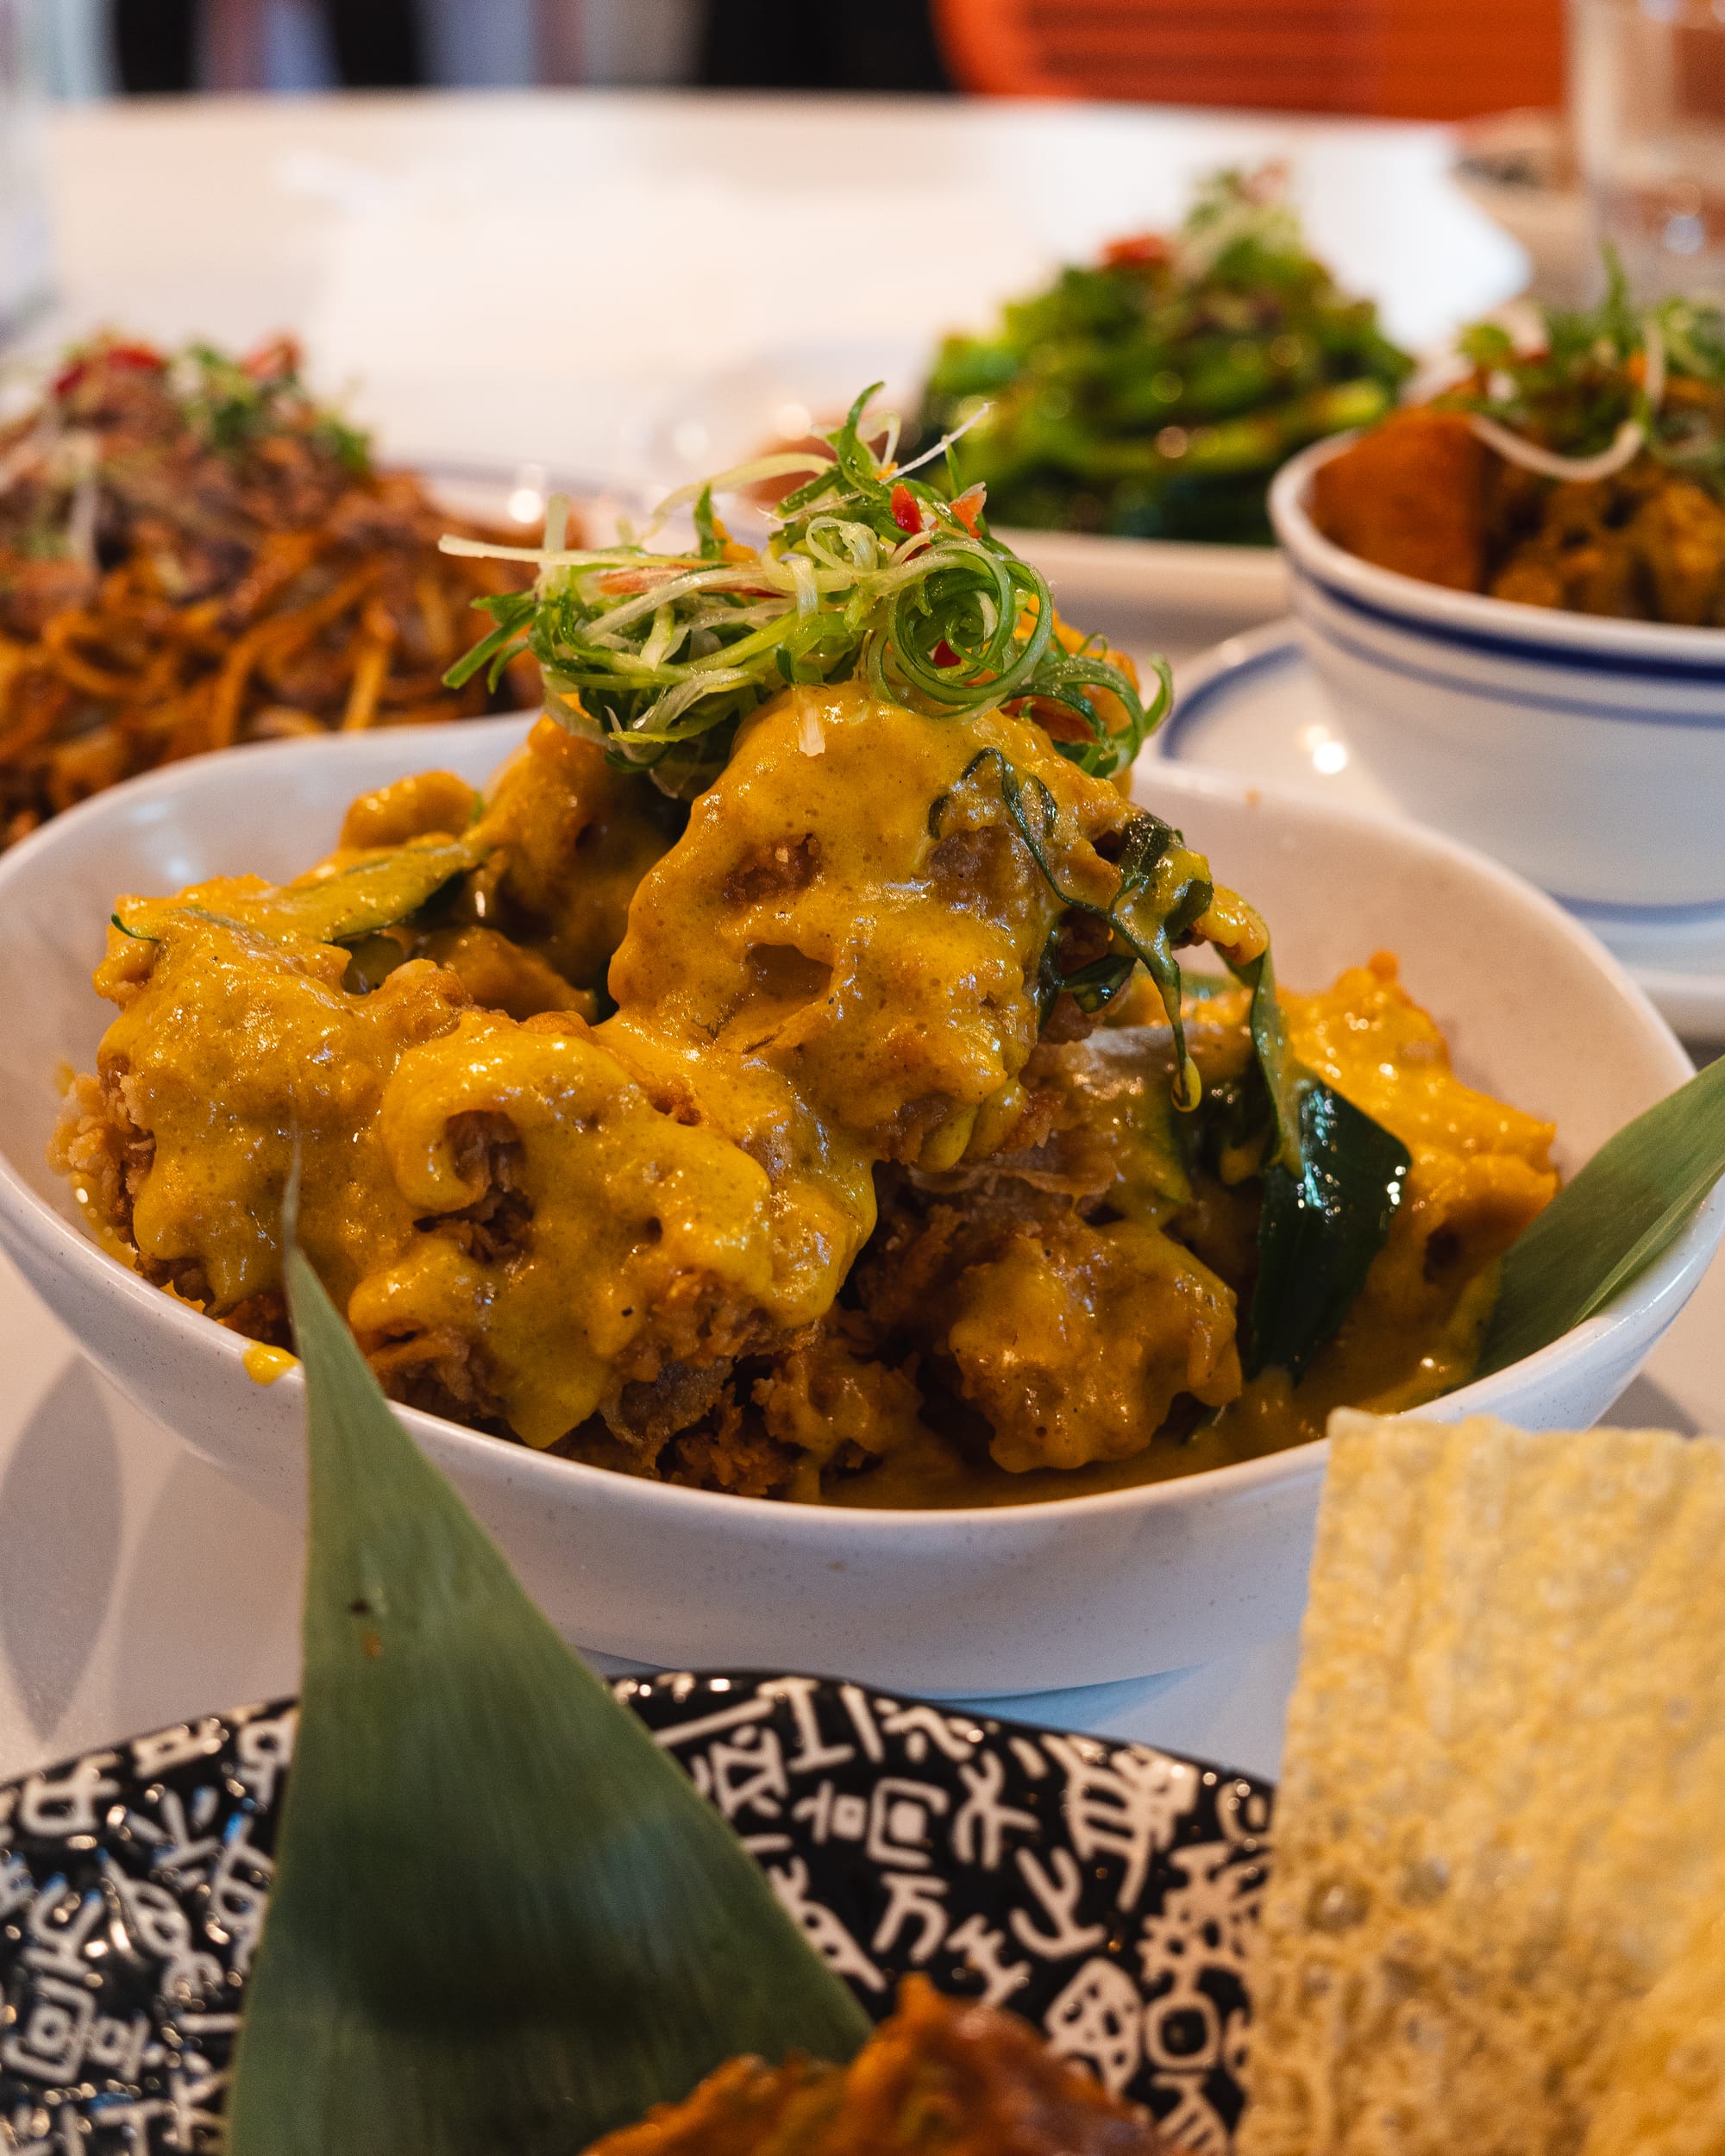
(1602, 385)
(1163, 889)
(871, 574)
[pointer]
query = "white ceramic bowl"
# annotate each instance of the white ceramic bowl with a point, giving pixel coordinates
(1589, 754)
(966, 1602)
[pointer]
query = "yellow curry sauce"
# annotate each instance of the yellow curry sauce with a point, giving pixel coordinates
(828, 1206)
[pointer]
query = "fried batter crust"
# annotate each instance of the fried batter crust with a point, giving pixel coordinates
(943, 2075)
(813, 979)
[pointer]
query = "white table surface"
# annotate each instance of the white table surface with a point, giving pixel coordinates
(513, 278)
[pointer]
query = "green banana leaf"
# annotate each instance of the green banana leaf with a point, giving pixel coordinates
(340, 908)
(1618, 1214)
(503, 1922)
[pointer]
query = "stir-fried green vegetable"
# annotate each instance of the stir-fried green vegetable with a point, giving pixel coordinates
(871, 573)
(1155, 393)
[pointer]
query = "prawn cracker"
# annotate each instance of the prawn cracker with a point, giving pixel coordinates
(1502, 1802)
(1667, 2091)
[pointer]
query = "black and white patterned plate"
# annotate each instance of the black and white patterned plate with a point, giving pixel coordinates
(1107, 1892)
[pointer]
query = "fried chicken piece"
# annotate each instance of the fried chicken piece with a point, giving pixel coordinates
(943, 2075)
(416, 806)
(835, 1392)
(813, 979)
(1679, 533)
(1410, 496)
(1072, 1338)
(1581, 554)
(650, 1241)
(812, 927)
(500, 975)
(574, 838)
(230, 1048)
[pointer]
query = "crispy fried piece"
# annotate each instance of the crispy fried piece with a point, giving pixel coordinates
(230, 1049)
(650, 1240)
(99, 1146)
(1421, 495)
(947, 2075)
(730, 1451)
(811, 925)
(575, 837)
(833, 1391)
(500, 975)
(1644, 545)
(1679, 531)
(1499, 1830)
(745, 2108)
(413, 807)
(1411, 496)
(1579, 552)
(809, 984)
(1073, 1339)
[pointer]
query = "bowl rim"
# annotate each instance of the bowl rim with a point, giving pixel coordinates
(30, 1219)
(1496, 628)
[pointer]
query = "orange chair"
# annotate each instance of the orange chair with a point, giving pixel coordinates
(1426, 60)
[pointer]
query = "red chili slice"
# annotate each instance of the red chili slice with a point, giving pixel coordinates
(1139, 250)
(143, 358)
(968, 507)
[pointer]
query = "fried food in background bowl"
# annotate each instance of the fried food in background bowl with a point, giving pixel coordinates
(903, 1169)
(1515, 595)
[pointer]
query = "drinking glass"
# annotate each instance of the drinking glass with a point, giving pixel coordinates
(24, 260)
(1647, 93)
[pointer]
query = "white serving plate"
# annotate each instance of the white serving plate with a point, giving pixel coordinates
(968, 1602)
(1255, 707)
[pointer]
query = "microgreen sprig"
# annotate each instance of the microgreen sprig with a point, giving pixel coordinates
(1604, 386)
(871, 572)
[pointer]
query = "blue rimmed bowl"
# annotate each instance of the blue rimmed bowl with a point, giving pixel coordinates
(1589, 754)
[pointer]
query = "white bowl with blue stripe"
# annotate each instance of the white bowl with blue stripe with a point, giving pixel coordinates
(1587, 753)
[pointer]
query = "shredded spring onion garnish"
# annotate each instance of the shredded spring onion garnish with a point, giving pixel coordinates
(870, 574)
(1514, 449)
(1648, 382)
(1626, 444)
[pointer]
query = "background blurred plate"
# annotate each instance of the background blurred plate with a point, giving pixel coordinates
(1107, 1892)
(1255, 707)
